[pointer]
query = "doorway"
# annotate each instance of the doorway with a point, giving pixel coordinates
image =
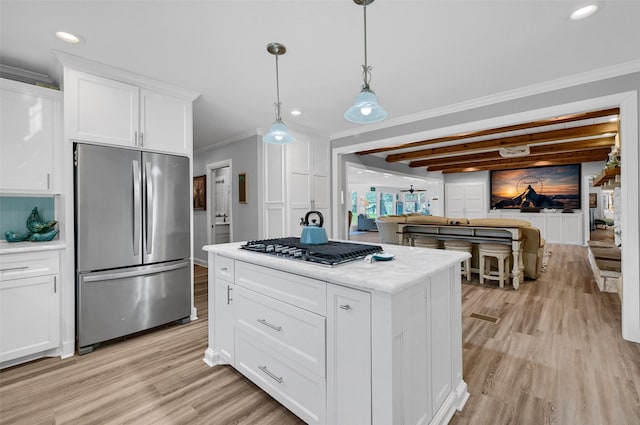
(219, 205)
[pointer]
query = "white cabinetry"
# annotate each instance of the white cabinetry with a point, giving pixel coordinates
(348, 356)
(308, 181)
(296, 180)
(224, 293)
(104, 110)
(366, 352)
(279, 336)
(30, 129)
(554, 227)
(564, 228)
(29, 304)
(465, 200)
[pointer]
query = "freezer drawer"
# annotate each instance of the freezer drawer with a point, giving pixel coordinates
(120, 302)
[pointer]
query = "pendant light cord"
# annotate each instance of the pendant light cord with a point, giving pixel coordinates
(277, 105)
(366, 69)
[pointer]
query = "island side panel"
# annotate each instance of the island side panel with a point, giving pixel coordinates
(418, 332)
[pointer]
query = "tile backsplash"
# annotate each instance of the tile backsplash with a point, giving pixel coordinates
(14, 211)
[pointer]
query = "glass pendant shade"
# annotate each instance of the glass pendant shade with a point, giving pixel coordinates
(278, 134)
(366, 108)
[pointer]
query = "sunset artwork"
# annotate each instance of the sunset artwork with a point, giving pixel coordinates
(538, 187)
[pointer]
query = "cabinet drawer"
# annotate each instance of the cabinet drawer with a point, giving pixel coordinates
(299, 291)
(298, 334)
(224, 268)
(28, 264)
(302, 393)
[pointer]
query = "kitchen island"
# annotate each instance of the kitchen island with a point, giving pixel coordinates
(359, 343)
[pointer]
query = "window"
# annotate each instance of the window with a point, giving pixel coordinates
(370, 205)
(386, 204)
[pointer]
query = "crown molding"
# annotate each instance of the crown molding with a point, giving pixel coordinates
(237, 138)
(85, 65)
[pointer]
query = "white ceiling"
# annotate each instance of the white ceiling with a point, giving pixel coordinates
(425, 54)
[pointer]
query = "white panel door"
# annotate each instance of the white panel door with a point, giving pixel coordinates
(101, 110)
(165, 123)
(348, 356)
(27, 137)
(274, 222)
(553, 230)
(465, 200)
(29, 316)
(572, 229)
(474, 201)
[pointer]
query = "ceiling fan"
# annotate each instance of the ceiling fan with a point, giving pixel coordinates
(411, 190)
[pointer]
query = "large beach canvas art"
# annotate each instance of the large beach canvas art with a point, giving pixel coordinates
(537, 187)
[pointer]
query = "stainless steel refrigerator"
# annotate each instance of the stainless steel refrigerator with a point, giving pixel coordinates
(133, 265)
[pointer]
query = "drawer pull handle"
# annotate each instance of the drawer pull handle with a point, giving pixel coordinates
(264, 322)
(224, 269)
(345, 307)
(14, 268)
(278, 379)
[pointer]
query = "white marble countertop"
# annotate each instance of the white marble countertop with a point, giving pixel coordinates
(18, 247)
(411, 265)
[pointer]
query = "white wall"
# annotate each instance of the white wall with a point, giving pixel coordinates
(244, 157)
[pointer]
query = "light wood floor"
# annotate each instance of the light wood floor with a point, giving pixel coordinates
(555, 356)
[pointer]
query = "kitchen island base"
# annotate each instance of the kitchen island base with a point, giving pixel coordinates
(362, 343)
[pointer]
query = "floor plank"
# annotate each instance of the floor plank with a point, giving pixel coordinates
(554, 356)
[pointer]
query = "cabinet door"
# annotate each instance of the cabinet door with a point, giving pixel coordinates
(101, 110)
(572, 229)
(553, 231)
(224, 320)
(348, 356)
(441, 318)
(29, 316)
(165, 122)
(27, 136)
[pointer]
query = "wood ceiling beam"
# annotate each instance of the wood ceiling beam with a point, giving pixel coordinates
(524, 139)
(543, 160)
(534, 150)
(534, 124)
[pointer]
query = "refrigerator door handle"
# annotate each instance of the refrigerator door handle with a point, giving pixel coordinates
(136, 208)
(140, 272)
(149, 221)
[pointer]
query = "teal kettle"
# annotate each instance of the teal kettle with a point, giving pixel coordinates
(313, 233)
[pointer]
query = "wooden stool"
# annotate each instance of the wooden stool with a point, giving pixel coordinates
(463, 246)
(425, 242)
(501, 253)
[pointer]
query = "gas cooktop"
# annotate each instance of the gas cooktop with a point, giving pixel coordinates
(331, 253)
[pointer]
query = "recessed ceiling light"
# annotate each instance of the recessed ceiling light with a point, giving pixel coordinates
(584, 11)
(296, 112)
(69, 38)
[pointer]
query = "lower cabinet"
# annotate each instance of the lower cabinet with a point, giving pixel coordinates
(337, 355)
(348, 356)
(29, 305)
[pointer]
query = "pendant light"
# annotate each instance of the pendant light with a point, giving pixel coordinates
(366, 108)
(278, 133)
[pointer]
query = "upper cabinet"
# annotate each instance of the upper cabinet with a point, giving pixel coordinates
(102, 110)
(165, 122)
(30, 133)
(113, 107)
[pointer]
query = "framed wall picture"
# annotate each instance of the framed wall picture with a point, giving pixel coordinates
(242, 188)
(593, 200)
(200, 193)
